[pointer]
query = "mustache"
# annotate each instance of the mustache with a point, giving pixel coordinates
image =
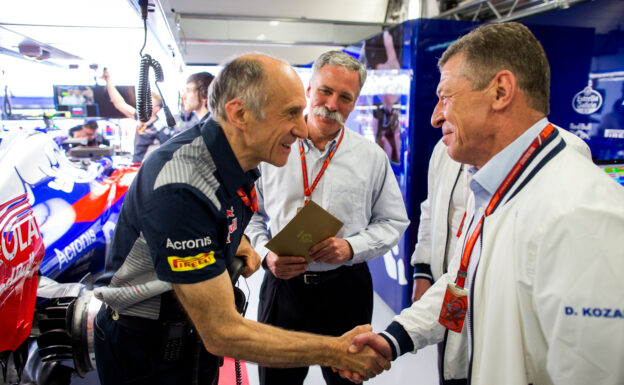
(326, 113)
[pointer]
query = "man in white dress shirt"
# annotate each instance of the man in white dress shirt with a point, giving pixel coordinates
(350, 177)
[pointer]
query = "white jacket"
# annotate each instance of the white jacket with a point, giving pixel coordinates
(442, 177)
(547, 302)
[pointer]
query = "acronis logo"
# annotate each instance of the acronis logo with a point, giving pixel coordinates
(189, 244)
(79, 245)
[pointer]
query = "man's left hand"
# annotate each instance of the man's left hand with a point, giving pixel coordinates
(249, 255)
(331, 250)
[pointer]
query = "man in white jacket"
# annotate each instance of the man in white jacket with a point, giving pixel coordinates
(443, 213)
(540, 253)
(442, 222)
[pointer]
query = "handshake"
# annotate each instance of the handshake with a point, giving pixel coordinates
(367, 355)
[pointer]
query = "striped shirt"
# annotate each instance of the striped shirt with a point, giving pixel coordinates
(181, 221)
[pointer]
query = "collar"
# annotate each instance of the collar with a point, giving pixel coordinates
(187, 118)
(204, 118)
(492, 174)
(308, 145)
(228, 169)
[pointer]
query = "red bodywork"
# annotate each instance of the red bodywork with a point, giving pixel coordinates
(21, 253)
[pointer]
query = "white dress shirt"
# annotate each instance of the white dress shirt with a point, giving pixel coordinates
(358, 187)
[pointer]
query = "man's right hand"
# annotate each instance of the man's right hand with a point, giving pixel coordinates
(365, 357)
(360, 344)
(421, 285)
(284, 267)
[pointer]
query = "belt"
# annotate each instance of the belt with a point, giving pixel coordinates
(131, 322)
(319, 277)
(170, 310)
(173, 339)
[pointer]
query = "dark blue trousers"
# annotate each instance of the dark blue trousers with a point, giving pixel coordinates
(133, 355)
(330, 304)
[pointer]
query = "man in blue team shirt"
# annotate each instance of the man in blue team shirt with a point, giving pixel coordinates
(169, 303)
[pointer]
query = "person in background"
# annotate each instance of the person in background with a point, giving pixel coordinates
(184, 119)
(87, 94)
(350, 177)
(387, 127)
(195, 97)
(88, 130)
(73, 97)
(194, 101)
(169, 303)
(149, 135)
(386, 118)
(542, 217)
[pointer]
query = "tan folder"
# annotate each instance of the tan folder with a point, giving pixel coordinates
(311, 225)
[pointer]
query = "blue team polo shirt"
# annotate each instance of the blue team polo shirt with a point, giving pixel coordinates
(181, 221)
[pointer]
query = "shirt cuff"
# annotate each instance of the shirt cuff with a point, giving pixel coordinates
(423, 270)
(400, 342)
(262, 252)
(358, 246)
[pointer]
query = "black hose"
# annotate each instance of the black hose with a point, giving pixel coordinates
(239, 376)
(143, 4)
(235, 269)
(144, 97)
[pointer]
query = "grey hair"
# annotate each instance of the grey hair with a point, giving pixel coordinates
(243, 78)
(491, 48)
(340, 59)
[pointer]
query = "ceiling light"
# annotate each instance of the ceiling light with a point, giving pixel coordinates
(30, 49)
(274, 23)
(261, 37)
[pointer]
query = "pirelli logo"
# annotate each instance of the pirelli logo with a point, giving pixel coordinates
(195, 262)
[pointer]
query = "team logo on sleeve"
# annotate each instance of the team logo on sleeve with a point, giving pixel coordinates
(195, 262)
(231, 228)
(189, 243)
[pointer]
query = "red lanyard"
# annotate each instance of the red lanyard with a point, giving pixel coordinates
(498, 195)
(306, 189)
(461, 225)
(251, 203)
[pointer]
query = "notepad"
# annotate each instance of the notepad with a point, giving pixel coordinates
(311, 225)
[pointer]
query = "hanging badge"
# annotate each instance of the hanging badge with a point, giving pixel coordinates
(454, 308)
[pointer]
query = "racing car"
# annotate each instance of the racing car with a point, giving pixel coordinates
(57, 217)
